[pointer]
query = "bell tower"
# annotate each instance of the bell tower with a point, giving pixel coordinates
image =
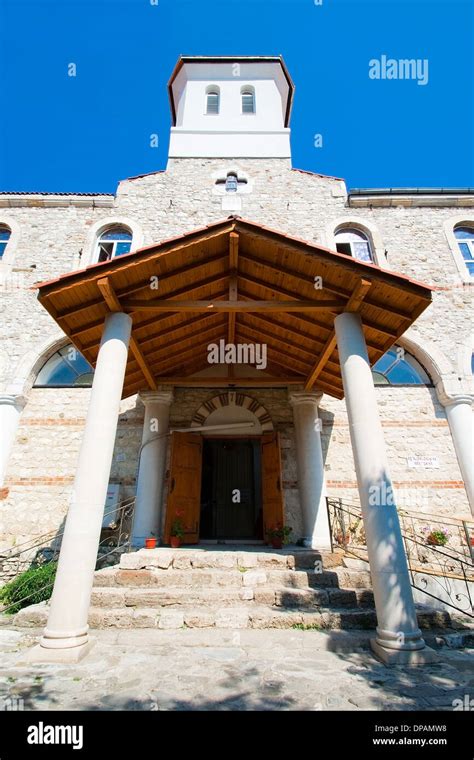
(230, 108)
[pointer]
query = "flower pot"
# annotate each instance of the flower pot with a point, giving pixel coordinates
(150, 543)
(277, 543)
(175, 542)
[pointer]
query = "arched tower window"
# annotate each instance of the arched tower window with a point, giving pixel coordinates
(212, 100)
(115, 241)
(5, 233)
(67, 368)
(465, 239)
(248, 100)
(398, 367)
(355, 243)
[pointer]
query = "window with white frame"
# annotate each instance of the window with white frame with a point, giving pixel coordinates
(398, 367)
(248, 100)
(5, 233)
(354, 243)
(465, 239)
(115, 241)
(212, 101)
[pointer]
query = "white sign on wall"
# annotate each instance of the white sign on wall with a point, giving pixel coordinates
(423, 463)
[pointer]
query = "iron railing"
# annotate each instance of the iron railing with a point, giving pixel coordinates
(442, 572)
(40, 550)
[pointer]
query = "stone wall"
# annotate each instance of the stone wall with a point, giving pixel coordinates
(52, 240)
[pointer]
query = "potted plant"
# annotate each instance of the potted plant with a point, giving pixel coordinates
(150, 542)
(436, 536)
(177, 529)
(279, 535)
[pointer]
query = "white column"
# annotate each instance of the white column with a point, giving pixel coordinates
(152, 466)
(459, 414)
(310, 465)
(398, 636)
(11, 407)
(66, 633)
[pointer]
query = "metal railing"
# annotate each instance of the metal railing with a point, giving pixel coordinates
(442, 572)
(44, 549)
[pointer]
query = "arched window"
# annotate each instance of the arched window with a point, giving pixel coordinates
(67, 368)
(212, 100)
(397, 367)
(114, 241)
(354, 243)
(465, 239)
(5, 233)
(248, 100)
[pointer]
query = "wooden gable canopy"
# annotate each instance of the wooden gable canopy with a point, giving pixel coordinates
(239, 282)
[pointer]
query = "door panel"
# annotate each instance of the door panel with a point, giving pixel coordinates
(235, 512)
(185, 485)
(271, 482)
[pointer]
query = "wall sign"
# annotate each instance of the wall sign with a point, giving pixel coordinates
(423, 463)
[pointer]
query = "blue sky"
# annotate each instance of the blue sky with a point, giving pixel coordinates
(85, 133)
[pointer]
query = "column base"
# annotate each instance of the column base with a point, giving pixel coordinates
(71, 655)
(410, 657)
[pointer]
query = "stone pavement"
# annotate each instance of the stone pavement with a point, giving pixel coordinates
(230, 670)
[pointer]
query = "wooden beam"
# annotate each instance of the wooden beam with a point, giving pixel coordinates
(353, 304)
(222, 382)
(231, 306)
(113, 303)
(234, 251)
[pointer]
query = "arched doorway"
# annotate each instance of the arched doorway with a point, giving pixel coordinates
(227, 478)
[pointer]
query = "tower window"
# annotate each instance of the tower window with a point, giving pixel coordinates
(114, 242)
(212, 102)
(4, 238)
(248, 101)
(465, 239)
(354, 243)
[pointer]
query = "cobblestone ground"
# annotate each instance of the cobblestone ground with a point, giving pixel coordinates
(230, 670)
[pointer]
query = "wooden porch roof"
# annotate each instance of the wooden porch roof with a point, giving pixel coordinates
(241, 282)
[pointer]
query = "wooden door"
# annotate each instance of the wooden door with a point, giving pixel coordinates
(272, 494)
(184, 492)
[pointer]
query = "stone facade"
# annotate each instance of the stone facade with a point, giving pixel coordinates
(55, 234)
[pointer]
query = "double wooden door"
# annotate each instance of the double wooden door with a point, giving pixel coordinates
(184, 494)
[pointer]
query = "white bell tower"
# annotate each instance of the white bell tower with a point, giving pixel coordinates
(230, 108)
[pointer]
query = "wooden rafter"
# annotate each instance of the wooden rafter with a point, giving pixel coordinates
(353, 305)
(114, 305)
(233, 289)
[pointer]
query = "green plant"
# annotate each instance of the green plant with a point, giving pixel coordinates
(436, 537)
(280, 531)
(31, 587)
(177, 526)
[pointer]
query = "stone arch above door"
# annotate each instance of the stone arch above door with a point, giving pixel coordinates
(246, 406)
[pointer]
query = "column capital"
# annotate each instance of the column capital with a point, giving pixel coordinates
(157, 397)
(12, 399)
(461, 398)
(297, 398)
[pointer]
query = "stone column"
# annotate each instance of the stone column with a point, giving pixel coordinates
(152, 466)
(11, 407)
(310, 465)
(66, 634)
(399, 639)
(459, 414)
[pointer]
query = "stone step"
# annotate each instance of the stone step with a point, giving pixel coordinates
(114, 596)
(227, 559)
(236, 617)
(205, 578)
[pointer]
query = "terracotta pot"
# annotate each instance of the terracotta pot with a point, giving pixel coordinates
(175, 542)
(150, 543)
(277, 543)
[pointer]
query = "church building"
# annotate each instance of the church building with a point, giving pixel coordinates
(230, 344)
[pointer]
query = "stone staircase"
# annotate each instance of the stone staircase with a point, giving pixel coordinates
(232, 587)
